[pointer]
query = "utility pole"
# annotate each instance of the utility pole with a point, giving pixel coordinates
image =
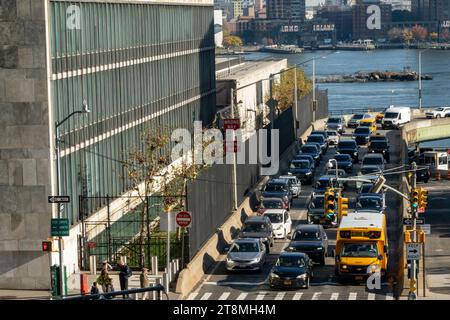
(234, 154)
(413, 280)
(420, 80)
(295, 101)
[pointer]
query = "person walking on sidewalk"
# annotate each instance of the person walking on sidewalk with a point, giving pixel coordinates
(105, 280)
(145, 283)
(124, 274)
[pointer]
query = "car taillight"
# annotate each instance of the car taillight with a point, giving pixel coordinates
(345, 234)
(374, 234)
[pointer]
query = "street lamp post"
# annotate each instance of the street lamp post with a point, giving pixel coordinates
(85, 109)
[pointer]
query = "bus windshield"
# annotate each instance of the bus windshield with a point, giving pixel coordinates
(367, 250)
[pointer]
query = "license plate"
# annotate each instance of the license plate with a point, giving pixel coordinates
(358, 278)
(287, 283)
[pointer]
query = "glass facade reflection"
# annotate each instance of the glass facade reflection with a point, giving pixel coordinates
(138, 66)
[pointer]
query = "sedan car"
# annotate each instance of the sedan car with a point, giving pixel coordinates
(344, 162)
(348, 147)
(310, 239)
(333, 137)
(356, 118)
(278, 188)
(303, 170)
(292, 270)
(281, 222)
(371, 202)
(258, 227)
(294, 183)
(362, 135)
(372, 163)
(336, 123)
(324, 182)
(316, 209)
(271, 203)
(312, 151)
(309, 158)
(246, 254)
(320, 139)
(423, 175)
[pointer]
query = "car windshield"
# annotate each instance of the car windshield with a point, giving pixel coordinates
(322, 184)
(290, 262)
(440, 109)
(334, 120)
(342, 157)
(357, 117)
(317, 202)
(271, 204)
(318, 139)
(391, 115)
(368, 250)
(275, 187)
(369, 203)
(360, 130)
(275, 217)
(299, 165)
(366, 124)
(347, 144)
(378, 138)
(254, 227)
(332, 133)
(301, 235)
(372, 161)
(379, 145)
(245, 247)
(366, 188)
(309, 149)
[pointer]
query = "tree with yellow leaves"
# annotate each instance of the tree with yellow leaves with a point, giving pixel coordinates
(283, 91)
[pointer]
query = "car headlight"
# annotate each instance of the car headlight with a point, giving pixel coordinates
(285, 198)
(279, 227)
(302, 276)
(273, 275)
(344, 266)
(290, 249)
(229, 260)
(320, 248)
(355, 153)
(256, 260)
(309, 173)
(374, 267)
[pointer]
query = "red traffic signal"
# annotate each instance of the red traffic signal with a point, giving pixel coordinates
(47, 246)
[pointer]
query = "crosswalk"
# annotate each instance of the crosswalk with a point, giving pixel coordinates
(267, 295)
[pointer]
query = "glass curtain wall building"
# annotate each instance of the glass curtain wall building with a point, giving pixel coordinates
(137, 66)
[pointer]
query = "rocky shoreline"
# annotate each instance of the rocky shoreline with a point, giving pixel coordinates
(375, 76)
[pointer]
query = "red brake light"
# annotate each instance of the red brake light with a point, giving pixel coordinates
(345, 234)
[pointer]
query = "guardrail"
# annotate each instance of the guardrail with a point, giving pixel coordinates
(368, 110)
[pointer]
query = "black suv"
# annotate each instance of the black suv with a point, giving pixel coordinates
(258, 227)
(380, 147)
(303, 170)
(278, 188)
(348, 147)
(313, 151)
(310, 239)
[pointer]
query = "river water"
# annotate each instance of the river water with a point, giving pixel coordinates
(363, 95)
(343, 96)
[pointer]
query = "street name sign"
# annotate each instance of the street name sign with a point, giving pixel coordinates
(413, 251)
(409, 221)
(60, 228)
(58, 199)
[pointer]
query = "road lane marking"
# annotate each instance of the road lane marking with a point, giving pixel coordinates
(297, 296)
(371, 296)
(193, 295)
(334, 296)
(242, 296)
(280, 296)
(352, 296)
(219, 283)
(206, 296)
(260, 296)
(389, 296)
(316, 295)
(224, 296)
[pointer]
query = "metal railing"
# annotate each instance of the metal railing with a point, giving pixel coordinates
(110, 295)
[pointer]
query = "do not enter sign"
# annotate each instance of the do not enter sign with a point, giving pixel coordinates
(183, 219)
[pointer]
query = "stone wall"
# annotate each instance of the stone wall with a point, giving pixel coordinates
(24, 146)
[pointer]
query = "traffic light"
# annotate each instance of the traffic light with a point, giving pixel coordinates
(415, 198)
(423, 198)
(342, 206)
(47, 246)
(330, 204)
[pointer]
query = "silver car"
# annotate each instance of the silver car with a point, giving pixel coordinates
(246, 254)
(295, 184)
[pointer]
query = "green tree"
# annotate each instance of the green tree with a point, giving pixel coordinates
(232, 41)
(283, 91)
(407, 35)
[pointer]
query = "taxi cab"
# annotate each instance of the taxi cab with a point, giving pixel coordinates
(379, 117)
(370, 123)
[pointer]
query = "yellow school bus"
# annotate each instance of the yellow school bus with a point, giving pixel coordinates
(361, 245)
(371, 123)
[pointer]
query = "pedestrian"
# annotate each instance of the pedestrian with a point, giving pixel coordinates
(145, 283)
(124, 274)
(105, 280)
(94, 288)
(106, 266)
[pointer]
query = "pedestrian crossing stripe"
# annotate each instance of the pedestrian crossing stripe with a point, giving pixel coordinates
(227, 295)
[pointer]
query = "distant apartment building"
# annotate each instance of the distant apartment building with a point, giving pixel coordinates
(238, 9)
(286, 9)
(362, 20)
(341, 17)
(431, 10)
(399, 4)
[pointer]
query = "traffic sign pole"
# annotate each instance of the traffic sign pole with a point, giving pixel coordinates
(412, 289)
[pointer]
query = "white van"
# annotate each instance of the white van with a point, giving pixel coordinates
(396, 116)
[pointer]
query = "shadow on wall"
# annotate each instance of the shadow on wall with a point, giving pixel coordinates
(254, 202)
(208, 261)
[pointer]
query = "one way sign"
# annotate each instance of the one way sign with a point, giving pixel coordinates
(413, 251)
(58, 199)
(409, 221)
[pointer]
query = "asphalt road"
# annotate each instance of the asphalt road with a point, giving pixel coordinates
(220, 285)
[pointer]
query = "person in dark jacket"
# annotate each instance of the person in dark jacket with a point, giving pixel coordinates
(124, 274)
